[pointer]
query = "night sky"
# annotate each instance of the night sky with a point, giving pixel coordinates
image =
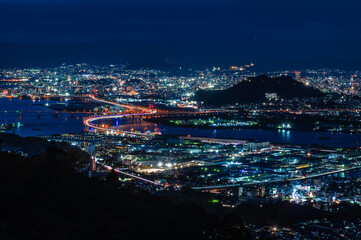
(302, 28)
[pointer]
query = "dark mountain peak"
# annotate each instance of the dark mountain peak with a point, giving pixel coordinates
(254, 89)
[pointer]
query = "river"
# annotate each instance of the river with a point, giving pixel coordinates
(47, 124)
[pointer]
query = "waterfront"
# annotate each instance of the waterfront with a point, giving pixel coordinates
(47, 124)
(33, 125)
(282, 136)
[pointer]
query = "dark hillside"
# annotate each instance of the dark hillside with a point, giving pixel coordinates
(44, 197)
(254, 89)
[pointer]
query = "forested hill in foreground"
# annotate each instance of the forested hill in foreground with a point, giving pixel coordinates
(44, 197)
(254, 89)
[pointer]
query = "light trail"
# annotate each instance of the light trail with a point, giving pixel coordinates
(138, 111)
(131, 175)
(144, 111)
(123, 105)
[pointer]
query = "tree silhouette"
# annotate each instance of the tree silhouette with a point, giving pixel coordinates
(112, 178)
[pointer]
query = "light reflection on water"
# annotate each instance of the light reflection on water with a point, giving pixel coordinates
(65, 124)
(33, 125)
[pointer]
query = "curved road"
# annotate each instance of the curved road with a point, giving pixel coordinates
(134, 111)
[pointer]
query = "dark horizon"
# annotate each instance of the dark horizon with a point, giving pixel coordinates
(39, 32)
(267, 55)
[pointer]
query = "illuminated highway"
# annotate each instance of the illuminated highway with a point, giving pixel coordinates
(137, 111)
(128, 106)
(131, 175)
(134, 111)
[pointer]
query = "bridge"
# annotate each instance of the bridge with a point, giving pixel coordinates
(128, 106)
(45, 111)
(134, 111)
